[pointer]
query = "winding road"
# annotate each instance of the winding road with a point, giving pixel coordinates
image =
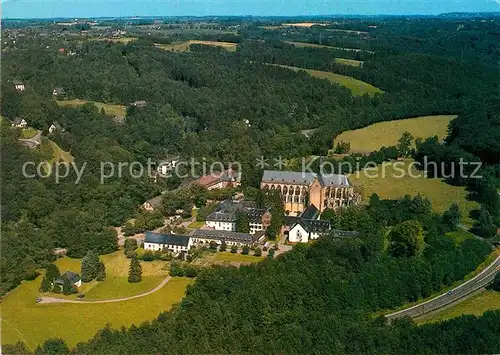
(479, 281)
(45, 300)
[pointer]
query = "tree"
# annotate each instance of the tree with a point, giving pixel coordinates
(54, 346)
(407, 239)
(242, 222)
(135, 270)
(101, 273)
(67, 287)
(452, 216)
(270, 253)
(213, 246)
(496, 283)
(130, 245)
(52, 272)
(245, 250)
(45, 285)
(90, 266)
(484, 227)
(234, 249)
(128, 229)
(257, 252)
(404, 144)
(223, 246)
(343, 148)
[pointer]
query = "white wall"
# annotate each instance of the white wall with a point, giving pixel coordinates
(222, 226)
(298, 235)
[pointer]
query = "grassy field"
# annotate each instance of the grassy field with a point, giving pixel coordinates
(24, 320)
(184, 46)
(59, 154)
(373, 137)
(123, 40)
(357, 87)
(476, 305)
(196, 224)
(29, 132)
(384, 181)
(229, 257)
(110, 109)
(350, 62)
(303, 24)
(118, 287)
(313, 45)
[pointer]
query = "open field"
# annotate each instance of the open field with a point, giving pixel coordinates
(350, 62)
(357, 87)
(184, 46)
(24, 320)
(347, 31)
(118, 287)
(373, 137)
(123, 40)
(475, 305)
(110, 109)
(59, 154)
(384, 180)
(303, 24)
(27, 133)
(313, 45)
(223, 257)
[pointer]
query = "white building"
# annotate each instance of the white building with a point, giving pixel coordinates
(173, 242)
(19, 122)
(19, 85)
(202, 236)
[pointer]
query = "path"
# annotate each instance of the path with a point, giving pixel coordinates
(32, 142)
(479, 281)
(46, 300)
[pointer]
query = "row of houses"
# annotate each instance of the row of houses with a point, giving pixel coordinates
(224, 217)
(22, 123)
(183, 243)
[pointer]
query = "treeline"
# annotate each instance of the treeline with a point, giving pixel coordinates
(292, 304)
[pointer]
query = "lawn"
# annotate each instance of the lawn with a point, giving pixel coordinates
(389, 182)
(350, 62)
(375, 136)
(476, 305)
(196, 224)
(357, 87)
(24, 320)
(222, 257)
(109, 109)
(184, 46)
(29, 132)
(117, 287)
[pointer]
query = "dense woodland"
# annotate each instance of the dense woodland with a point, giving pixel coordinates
(318, 298)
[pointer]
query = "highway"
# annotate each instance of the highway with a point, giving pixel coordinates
(479, 281)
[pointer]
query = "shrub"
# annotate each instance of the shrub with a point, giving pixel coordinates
(130, 253)
(257, 252)
(223, 247)
(245, 250)
(148, 256)
(234, 249)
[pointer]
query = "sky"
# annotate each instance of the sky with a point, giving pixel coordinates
(114, 8)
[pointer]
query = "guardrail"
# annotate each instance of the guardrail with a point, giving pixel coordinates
(479, 281)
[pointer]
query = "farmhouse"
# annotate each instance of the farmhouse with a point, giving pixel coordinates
(300, 189)
(173, 242)
(224, 216)
(19, 122)
(19, 85)
(201, 236)
(58, 91)
(73, 278)
(152, 203)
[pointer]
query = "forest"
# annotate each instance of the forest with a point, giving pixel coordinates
(319, 298)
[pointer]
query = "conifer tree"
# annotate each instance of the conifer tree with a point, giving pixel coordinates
(101, 273)
(135, 270)
(90, 266)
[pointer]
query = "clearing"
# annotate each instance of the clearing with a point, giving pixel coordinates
(357, 87)
(350, 62)
(184, 46)
(393, 180)
(373, 137)
(314, 45)
(124, 40)
(475, 305)
(228, 257)
(303, 24)
(59, 154)
(33, 323)
(109, 109)
(27, 133)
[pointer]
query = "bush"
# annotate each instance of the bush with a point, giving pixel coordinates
(270, 254)
(264, 249)
(130, 253)
(257, 252)
(223, 247)
(245, 250)
(30, 275)
(234, 249)
(148, 256)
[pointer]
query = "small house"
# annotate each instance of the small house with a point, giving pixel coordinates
(19, 122)
(19, 85)
(55, 127)
(58, 91)
(73, 278)
(152, 203)
(140, 103)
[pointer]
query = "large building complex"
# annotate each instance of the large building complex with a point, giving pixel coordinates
(300, 189)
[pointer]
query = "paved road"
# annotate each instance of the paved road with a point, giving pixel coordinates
(478, 282)
(46, 300)
(32, 142)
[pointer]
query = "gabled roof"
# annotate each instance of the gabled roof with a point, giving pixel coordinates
(155, 201)
(17, 82)
(334, 180)
(170, 239)
(315, 225)
(18, 120)
(59, 90)
(311, 212)
(73, 278)
(223, 236)
(291, 177)
(56, 125)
